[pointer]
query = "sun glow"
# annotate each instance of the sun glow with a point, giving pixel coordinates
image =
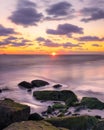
(53, 54)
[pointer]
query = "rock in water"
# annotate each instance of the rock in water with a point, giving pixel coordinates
(92, 103)
(57, 86)
(74, 123)
(35, 117)
(11, 111)
(65, 95)
(39, 83)
(32, 125)
(25, 84)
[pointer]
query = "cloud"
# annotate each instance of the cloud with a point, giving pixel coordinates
(6, 31)
(49, 43)
(92, 14)
(26, 14)
(59, 9)
(90, 38)
(15, 42)
(96, 45)
(65, 29)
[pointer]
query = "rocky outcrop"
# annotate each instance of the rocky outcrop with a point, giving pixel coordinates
(35, 117)
(65, 95)
(32, 125)
(11, 111)
(92, 103)
(99, 125)
(25, 84)
(39, 83)
(74, 123)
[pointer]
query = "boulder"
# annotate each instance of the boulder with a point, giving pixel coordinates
(57, 86)
(25, 84)
(99, 125)
(39, 83)
(32, 125)
(84, 122)
(92, 103)
(35, 117)
(11, 111)
(65, 95)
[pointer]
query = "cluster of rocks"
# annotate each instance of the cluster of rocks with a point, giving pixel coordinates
(15, 116)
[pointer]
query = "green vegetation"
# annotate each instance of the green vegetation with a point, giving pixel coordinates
(32, 125)
(92, 103)
(74, 122)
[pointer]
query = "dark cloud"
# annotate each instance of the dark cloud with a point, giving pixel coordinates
(26, 14)
(91, 14)
(49, 43)
(59, 9)
(15, 42)
(96, 45)
(90, 38)
(65, 29)
(6, 31)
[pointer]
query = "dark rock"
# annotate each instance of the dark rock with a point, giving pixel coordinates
(99, 125)
(57, 86)
(11, 111)
(65, 95)
(49, 110)
(4, 89)
(35, 117)
(92, 103)
(0, 91)
(32, 125)
(39, 83)
(44, 113)
(74, 123)
(29, 90)
(25, 84)
(98, 117)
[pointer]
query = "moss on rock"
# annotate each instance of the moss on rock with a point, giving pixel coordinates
(32, 125)
(74, 123)
(92, 103)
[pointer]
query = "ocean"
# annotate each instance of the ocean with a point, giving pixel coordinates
(83, 74)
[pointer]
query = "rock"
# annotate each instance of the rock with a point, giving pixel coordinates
(49, 110)
(0, 91)
(98, 117)
(57, 86)
(39, 83)
(74, 123)
(65, 95)
(35, 117)
(32, 125)
(4, 89)
(11, 111)
(99, 125)
(25, 84)
(92, 103)
(58, 106)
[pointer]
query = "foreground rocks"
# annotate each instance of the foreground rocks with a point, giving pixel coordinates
(32, 125)
(92, 103)
(99, 125)
(74, 122)
(11, 111)
(65, 95)
(25, 84)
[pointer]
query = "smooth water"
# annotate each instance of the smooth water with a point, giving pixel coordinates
(83, 74)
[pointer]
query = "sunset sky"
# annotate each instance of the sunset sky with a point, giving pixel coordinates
(47, 26)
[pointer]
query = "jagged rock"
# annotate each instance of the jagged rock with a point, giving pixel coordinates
(39, 83)
(35, 117)
(92, 103)
(65, 95)
(11, 111)
(74, 123)
(25, 84)
(57, 86)
(32, 125)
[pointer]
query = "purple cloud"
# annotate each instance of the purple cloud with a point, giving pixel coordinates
(26, 14)
(65, 29)
(6, 31)
(90, 38)
(59, 9)
(92, 14)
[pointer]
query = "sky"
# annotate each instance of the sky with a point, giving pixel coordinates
(47, 26)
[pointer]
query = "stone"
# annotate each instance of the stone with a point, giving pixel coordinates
(92, 103)
(11, 111)
(25, 84)
(57, 86)
(35, 117)
(39, 83)
(32, 125)
(99, 125)
(84, 122)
